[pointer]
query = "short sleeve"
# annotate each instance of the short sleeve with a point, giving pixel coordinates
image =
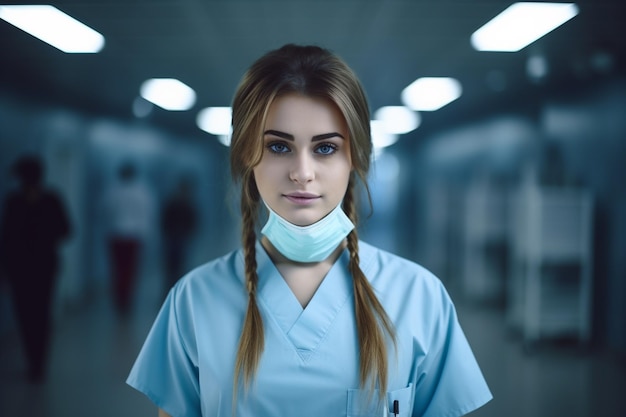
(450, 383)
(166, 370)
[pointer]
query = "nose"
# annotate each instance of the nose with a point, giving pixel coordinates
(303, 169)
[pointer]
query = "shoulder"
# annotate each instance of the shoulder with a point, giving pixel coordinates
(394, 276)
(211, 279)
(207, 297)
(378, 263)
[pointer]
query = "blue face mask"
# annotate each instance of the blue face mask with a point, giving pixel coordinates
(312, 243)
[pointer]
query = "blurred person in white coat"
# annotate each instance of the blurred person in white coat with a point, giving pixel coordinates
(129, 208)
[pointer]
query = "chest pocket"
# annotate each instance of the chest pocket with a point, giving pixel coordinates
(363, 403)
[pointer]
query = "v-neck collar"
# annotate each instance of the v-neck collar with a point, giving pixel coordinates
(307, 327)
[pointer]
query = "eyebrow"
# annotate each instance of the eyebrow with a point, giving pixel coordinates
(289, 136)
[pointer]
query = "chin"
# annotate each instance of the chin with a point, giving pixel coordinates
(305, 220)
(302, 222)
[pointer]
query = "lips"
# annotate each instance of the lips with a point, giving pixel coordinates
(300, 197)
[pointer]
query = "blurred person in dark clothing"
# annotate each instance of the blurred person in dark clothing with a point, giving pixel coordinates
(34, 223)
(178, 223)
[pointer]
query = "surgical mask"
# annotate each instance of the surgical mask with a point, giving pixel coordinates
(312, 243)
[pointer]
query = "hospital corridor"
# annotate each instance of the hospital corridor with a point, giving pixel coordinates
(497, 162)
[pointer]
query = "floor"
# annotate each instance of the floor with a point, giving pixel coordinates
(94, 348)
(556, 378)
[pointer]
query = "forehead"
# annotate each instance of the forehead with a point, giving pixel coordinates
(297, 112)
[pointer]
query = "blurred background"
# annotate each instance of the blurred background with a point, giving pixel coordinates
(513, 191)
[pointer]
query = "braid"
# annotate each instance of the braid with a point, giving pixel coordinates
(371, 318)
(251, 341)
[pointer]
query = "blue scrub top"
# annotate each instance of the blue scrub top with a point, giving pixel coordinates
(310, 365)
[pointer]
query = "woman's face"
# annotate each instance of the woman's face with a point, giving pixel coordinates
(306, 164)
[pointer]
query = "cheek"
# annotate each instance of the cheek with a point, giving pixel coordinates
(344, 170)
(259, 178)
(338, 179)
(265, 175)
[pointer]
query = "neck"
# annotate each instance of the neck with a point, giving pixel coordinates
(303, 278)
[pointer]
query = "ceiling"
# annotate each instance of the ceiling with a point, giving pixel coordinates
(208, 44)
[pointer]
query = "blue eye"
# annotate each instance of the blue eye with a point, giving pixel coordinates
(326, 149)
(278, 147)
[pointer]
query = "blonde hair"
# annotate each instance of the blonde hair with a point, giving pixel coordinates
(311, 71)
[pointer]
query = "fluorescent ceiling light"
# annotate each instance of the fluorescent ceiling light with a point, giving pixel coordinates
(431, 93)
(168, 93)
(216, 121)
(397, 119)
(521, 24)
(54, 27)
(224, 139)
(380, 137)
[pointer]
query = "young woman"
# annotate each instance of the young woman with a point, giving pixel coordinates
(305, 319)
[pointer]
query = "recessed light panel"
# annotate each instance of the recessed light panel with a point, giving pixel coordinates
(397, 119)
(168, 93)
(381, 138)
(215, 120)
(49, 24)
(431, 93)
(521, 24)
